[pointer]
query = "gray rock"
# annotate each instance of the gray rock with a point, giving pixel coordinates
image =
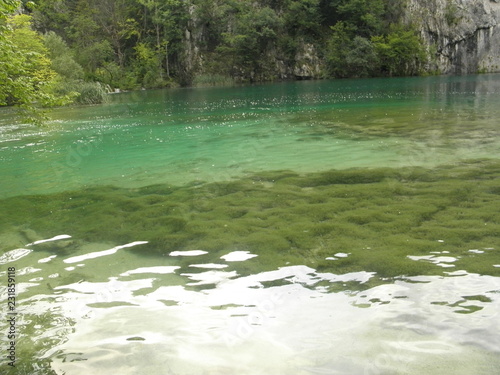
(464, 33)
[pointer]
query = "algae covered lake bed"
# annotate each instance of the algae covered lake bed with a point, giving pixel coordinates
(347, 227)
(379, 216)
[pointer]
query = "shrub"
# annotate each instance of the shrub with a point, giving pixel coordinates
(213, 80)
(91, 93)
(84, 92)
(401, 52)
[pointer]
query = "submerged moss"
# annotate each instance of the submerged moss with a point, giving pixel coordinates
(378, 217)
(32, 343)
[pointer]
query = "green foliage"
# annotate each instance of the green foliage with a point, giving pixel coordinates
(169, 21)
(212, 16)
(349, 56)
(29, 64)
(302, 18)
(61, 56)
(148, 66)
(244, 49)
(71, 73)
(27, 79)
(338, 46)
(94, 56)
(451, 13)
(362, 59)
(7, 7)
(378, 215)
(359, 47)
(212, 80)
(401, 52)
(84, 92)
(111, 74)
(131, 44)
(394, 11)
(365, 17)
(91, 93)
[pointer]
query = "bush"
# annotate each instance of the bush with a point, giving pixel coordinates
(213, 80)
(71, 83)
(338, 46)
(452, 13)
(91, 93)
(84, 92)
(61, 57)
(361, 59)
(401, 52)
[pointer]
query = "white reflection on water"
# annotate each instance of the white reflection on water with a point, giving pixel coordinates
(56, 238)
(98, 254)
(443, 261)
(13, 255)
(159, 269)
(208, 265)
(237, 256)
(162, 317)
(188, 253)
(241, 327)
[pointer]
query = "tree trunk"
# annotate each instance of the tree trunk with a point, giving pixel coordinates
(166, 59)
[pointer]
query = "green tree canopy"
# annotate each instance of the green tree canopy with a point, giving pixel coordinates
(27, 79)
(401, 52)
(129, 44)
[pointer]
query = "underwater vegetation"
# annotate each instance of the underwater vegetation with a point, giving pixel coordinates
(39, 332)
(375, 219)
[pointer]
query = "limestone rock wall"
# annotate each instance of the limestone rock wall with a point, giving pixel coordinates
(463, 35)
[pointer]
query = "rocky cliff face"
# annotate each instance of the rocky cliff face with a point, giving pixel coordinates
(464, 35)
(306, 62)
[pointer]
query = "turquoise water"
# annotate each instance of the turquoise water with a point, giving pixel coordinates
(314, 227)
(214, 134)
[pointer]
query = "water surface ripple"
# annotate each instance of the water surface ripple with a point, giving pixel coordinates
(323, 227)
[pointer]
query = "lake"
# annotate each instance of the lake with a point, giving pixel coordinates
(311, 227)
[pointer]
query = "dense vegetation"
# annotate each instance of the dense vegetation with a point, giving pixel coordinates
(55, 51)
(380, 216)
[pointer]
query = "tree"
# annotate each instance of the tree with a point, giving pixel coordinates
(302, 18)
(148, 66)
(7, 7)
(339, 44)
(53, 15)
(113, 18)
(401, 52)
(70, 74)
(213, 17)
(61, 56)
(154, 43)
(168, 17)
(244, 49)
(86, 37)
(364, 17)
(26, 77)
(362, 60)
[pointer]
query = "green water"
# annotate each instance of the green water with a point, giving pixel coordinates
(180, 136)
(346, 227)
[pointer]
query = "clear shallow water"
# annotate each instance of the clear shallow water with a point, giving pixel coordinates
(214, 134)
(154, 314)
(392, 268)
